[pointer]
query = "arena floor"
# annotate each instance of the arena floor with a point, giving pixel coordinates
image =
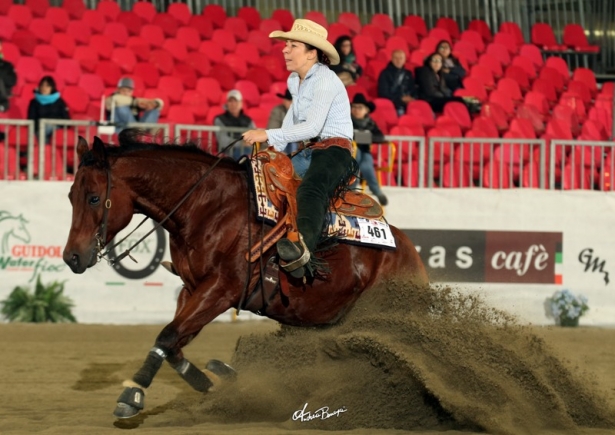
(394, 373)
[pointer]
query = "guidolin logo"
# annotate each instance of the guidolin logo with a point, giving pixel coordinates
(18, 255)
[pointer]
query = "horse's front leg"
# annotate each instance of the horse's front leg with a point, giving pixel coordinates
(193, 312)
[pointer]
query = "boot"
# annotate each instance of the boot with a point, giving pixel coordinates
(382, 199)
(295, 256)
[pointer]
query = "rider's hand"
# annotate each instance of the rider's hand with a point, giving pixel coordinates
(252, 136)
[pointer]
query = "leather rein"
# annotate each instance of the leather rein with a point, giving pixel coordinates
(101, 238)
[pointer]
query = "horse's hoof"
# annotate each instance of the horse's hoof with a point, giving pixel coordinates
(124, 410)
(222, 370)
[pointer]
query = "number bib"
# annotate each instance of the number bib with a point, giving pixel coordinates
(376, 232)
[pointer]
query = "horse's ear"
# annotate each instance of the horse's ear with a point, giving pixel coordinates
(82, 147)
(98, 149)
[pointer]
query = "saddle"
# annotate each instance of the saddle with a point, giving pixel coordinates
(275, 185)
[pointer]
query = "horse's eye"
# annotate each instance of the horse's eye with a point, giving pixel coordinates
(94, 200)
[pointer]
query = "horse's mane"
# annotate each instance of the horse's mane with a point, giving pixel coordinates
(133, 139)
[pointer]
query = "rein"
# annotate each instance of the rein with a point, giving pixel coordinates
(101, 239)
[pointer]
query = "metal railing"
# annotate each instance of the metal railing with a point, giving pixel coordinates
(582, 165)
(17, 154)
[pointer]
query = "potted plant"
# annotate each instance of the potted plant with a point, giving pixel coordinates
(566, 308)
(47, 304)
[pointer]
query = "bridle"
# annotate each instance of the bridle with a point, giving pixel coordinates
(101, 235)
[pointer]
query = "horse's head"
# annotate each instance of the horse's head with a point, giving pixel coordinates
(102, 206)
(20, 231)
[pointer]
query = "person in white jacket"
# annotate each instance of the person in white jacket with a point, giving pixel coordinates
(129, 109)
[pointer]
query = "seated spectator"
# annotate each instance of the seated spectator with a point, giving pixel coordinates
(431, 85)
(396, 83)
(452, 70)
(129, 109)
(360, 108)
(348, 70)
(8, 79)
(277, 117)
(47, 104)
(233, 117)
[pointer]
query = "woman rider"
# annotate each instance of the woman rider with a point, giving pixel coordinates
(320, 117)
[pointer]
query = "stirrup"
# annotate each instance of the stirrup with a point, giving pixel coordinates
(295, 267)
(169, 266)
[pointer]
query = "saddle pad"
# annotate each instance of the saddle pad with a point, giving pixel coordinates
(346, 227)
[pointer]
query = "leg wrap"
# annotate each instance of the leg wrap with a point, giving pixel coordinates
(195, 377)
(133, 397)
(150, 367)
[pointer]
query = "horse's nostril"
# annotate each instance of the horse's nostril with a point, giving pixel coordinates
(75, 259)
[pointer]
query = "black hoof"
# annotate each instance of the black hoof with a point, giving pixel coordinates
(221, 369)
(124, 410)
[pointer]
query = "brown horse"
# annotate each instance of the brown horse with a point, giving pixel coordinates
(210, 234)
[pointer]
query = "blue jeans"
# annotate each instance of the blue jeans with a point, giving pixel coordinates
(368, 173)
(124, 115)
(301, 162)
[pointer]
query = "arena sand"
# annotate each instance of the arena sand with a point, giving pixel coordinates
(405, 359)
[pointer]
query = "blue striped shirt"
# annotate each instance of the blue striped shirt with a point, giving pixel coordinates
(320, 108)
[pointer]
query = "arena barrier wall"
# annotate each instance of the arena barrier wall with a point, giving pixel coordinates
(515, 247)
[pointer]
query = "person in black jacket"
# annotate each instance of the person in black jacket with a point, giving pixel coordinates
(47, 104)
(452, 70)
(396, 83)
(360, 108)
(431, 84)
(234, 116)
(8, 79)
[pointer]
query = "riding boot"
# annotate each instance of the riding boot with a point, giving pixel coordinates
(329, 167)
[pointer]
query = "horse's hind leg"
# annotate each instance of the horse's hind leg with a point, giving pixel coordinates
(192, 314)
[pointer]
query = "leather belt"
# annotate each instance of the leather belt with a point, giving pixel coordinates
(326, 143)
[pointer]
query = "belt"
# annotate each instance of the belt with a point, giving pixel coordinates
(319, 144)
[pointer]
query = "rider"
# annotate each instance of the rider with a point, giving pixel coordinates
(319, 117)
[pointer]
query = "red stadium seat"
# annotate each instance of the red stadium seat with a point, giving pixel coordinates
(58, 18)
(148, 73)
(482, 28)
(215, 13)
(80, 32)
(474, 87)
(167, 23)
(508, 41)
(336, 30)
(163, 60)
(117, 33)
(251, 16)
(86, 57)
(532, 53)
(545, 87)
(76, 99)
(248, 89)
(177, 49)
(527, 65)
(474, 38)
(519, 75)
(417, 23)
(458, 112)
(539, 101)
(25, 41)
(496, 113)
(500, 52)
(102, 46)
(422, 111)
(210, 88)
(190, 37)
(153, 34)
(39, 27)
(69, 71)
(350, 20)
(384, 22)
(544, 38)
(212, 50)
(203, 25)
(109, 9)
(574, 38)
(173, 87)
(180, 12)
(260, 40)
(92, 84)
(439, 34)
(145, 10)
(200, 63)
(560, 65)
(225, 39)
(467, 50)
(483, 74)
(248, 52)
(224, 75)
(284, 17)
(65, 44)
(195, 102)
(29, 68)
(131, 21)
(21, 15)
(186, 74)
(406, 33)
(47, 55)
(513, 29)
(588, 77)
(450, 25)
(178, 114)
(317, 17)
(235, 26)
(139, 46)
(237, 64)
(95, 20)
(124, 58)
(492, 63)
(7, 28)
(109, 72)
(38, 7)
(554, 77)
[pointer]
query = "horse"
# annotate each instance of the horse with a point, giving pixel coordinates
(210, 234)
(12, 226)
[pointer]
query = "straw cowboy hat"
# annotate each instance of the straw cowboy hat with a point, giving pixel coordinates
(309, 32)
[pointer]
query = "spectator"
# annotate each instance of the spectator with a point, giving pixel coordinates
(47, 103)
(8, 79)
(360, 108)
(233, 117)
(431, 85)
(348, 70)
(396, 83)
(277, 117)
(452, 70)
(130, 109)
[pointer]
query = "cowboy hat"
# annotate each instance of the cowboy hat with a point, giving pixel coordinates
(360, 99)
(309, 32)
